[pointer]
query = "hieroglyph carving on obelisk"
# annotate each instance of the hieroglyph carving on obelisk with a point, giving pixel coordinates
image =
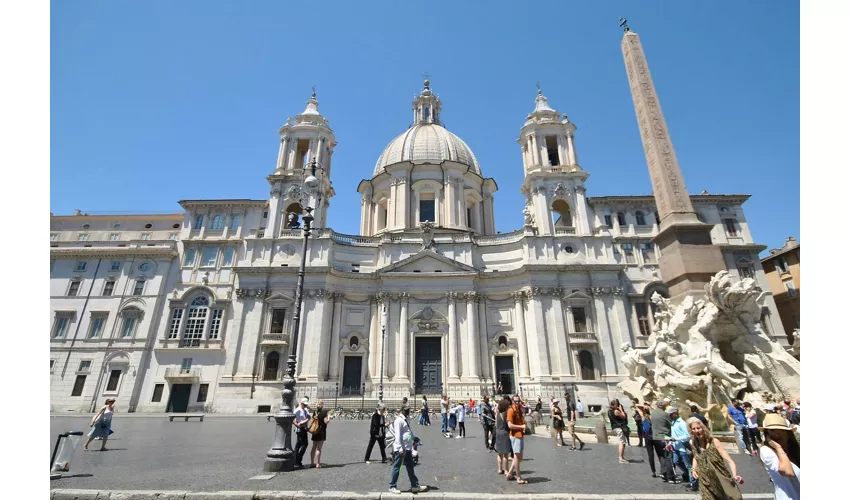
(667, 183)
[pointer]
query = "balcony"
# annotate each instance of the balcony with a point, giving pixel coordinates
(180, 375)
(275, 339)
(565, 230)
(582, 338)
(189, 343)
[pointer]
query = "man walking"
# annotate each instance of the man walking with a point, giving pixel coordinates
(679, 440)
(736, 413)
(516, 424)
(661, 428)
(579, 408)
(302, 416)
(570, 420)
(488, 422)
(444, 415)
(403, 454)
(377, 434)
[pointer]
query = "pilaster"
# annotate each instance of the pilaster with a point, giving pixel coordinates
(522, 342)
(538, 350)
(472, 341)
(402, 374)
(453, 338)
(482, 336)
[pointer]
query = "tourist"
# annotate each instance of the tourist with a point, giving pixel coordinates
(795, 413)
(695, 413)
(502, 438)
(771, 409)
(661, 424)
(488, 422)
(101, 424)
(679, 441)
(638, 418)
(736, 413)
(516, 424)
(377, 434)
(710, 465)
(617, 417)
(557, 424)
(570, 420)
(403, 454)
(319, 436)
(647, 433)
(444, 415)
(424, 417)
(302, 417)
(460, 413)
(452, 411)
(780, 454)
(580, 408)
(752, 427)
(405, 408)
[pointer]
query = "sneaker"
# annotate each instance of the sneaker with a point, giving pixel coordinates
(419, 489)
(395, 490)
(458, 437)
(368, 462)
(624, 461)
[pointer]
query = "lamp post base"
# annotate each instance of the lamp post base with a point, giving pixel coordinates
(285, 463)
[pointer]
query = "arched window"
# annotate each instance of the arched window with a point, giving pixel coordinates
(561, 214)
(640, 218)
(131, 317)
(196, 322)
(585, 362)
(199, 221)
(294, 208)
(621, 218)
(382, 214)
(503, 342)
(217, 222)
(271, 366)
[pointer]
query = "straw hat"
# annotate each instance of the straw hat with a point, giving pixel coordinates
(775, 421)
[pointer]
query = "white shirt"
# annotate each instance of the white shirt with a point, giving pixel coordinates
(787, 488)
(579, 407)
(402, 437)
(460, 411)
(301, 414)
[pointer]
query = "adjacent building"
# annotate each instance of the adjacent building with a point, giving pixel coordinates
(782, 272)
(194, 311)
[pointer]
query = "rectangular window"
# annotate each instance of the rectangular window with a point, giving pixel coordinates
(114, 378)
(426, 209)
(792, 290)
(157, 393)
(202, 392)
(643, 319)
(579, 320)
(186, 365)
(265, 215)
(208, 257)
(215, 323)
(629, 252)
(608, 222)
(115, 266)
(235, 220)
(552, 150)
(189, 259)
(79, 383)
(128, 327)
(139, 287)
(648, 252)
(83, 237)
(174, 326)
(731, 227)
(781, 265)
(81, 266)
(74, 288)
(108, 288)
(85, 366)
(229, 254)
(146, 236)
(746, 271)
(96, 326)
(383, 216)
(114, 236)
(54, 236)
(193, 332)
(199, 222)
(278, 315)
(52, 364)
(217, 222)
(60, 327)
(621, 218)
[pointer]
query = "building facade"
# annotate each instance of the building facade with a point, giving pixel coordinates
(782, 272)
(428, 290)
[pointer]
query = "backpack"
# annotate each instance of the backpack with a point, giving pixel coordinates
(647, 427)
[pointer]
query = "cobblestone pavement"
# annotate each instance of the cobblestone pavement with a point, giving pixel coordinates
(226, 454)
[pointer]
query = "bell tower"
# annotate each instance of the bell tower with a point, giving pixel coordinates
(306, 138)
(554, 181)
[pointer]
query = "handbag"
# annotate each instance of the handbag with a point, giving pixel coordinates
(314, 426)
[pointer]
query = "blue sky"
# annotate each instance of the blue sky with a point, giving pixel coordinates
(154, 102)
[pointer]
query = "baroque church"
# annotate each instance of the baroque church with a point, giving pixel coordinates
(193, 311)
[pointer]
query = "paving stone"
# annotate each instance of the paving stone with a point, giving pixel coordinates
(61, 494)
(275, 495)
(348, 495)
(319, 495)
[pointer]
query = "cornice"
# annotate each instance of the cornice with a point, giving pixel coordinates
(241, 203)
(746, 247)
(649, 199)
(94, 252)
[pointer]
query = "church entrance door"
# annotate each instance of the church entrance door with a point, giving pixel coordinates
(505, 374)
(429, 365)
(352, 367)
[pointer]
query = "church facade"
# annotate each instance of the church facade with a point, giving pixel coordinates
(193, 311)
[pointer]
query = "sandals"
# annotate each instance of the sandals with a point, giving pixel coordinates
(509, 477)
(520, 480)
(500, 472)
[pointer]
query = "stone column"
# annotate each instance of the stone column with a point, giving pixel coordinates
(520, 333)
(449, 201)
(281, 156)
(563, 157)
(374, 327)
(403, 333)
(365, 214)
(336, 335)
(545, 224)
(583, 220)
(572, 157)
(472, 338)
(453, 344)
(482, 336)
(535, 151)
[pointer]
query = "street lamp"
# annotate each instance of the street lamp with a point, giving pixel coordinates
(281, 457)
(383, 342)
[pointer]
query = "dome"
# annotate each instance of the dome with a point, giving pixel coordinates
(427, 141)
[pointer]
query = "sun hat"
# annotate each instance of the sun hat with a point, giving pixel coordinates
(770, 407)
(555, 401)
(775, 421)
(305, 401)
(672, 410)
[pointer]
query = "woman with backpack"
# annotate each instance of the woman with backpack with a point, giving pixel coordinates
(318, 428)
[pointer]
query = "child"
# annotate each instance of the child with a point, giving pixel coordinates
(461, 418)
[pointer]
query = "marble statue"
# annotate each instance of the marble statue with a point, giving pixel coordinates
(529, 217)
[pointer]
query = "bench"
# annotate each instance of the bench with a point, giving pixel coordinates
(186, 416)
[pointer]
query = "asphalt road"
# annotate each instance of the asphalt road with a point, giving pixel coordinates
(225, 453)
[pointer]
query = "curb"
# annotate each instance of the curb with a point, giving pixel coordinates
(66, 494)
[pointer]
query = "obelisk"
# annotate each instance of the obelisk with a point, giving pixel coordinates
(688, 259)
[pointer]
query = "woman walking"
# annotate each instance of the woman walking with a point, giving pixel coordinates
(781, 456)
(101, 424)
(424, 418)
(319, 436)
(752, 427)
(710, 465)
(558, 423)
(503, 437)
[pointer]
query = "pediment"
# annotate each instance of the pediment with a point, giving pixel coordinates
(428, 261)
